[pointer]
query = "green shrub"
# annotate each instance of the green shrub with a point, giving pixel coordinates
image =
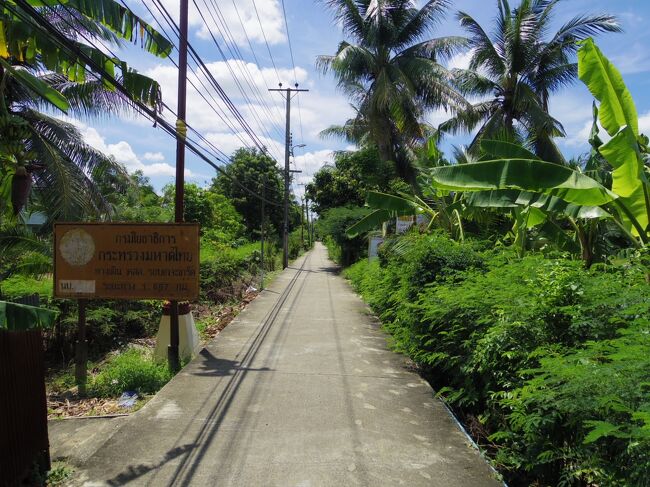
(583, 418)
(18, 286)
(552, 359)
(131, 370)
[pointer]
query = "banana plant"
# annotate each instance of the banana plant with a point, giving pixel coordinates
(388, 206)
(553, 186)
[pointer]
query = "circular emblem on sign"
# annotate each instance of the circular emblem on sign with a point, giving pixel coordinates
(77, 247)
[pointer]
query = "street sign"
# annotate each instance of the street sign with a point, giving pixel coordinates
(126, 261)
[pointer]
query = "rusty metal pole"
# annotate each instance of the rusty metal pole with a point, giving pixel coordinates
(172, 351)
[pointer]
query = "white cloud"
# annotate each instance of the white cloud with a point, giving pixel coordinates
(644, 123)
(228, 143)
(240, 19)
(635, 59)
(461, 60)
(124, 154)
(309, 163)
(154, 156)
(263, 111)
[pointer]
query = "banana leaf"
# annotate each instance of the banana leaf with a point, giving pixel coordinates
(512, 198)
(498, 149)
(391, 202)
(37, 86)
(524, 174)
(368, 223)
(628, 178)
(386, 206)
(606, 84)
(20, 317)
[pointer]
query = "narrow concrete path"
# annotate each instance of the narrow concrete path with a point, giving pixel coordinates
(300, 390)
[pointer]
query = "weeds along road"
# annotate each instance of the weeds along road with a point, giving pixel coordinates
(300, 390)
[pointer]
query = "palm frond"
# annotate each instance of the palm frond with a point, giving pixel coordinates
(420, 22)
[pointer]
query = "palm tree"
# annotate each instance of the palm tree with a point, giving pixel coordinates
(36, 74)
(516, 70)
(392, 73)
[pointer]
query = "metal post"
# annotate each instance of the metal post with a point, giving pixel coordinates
(81, 350)
(172, 351)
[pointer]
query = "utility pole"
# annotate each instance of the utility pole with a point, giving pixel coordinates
(289, 94)
(263, 229)
(181, 129)
(309, 241)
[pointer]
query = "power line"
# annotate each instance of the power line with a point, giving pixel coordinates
(115, 63)
(257, 62)
(222, 94)
(268, 48)
(237, 54)
(293, 63)
(44, 23)
(218, 110)
(230, 69)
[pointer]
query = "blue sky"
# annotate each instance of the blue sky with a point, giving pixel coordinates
(138, 145)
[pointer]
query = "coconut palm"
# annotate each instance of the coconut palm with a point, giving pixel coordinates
(515, 71)
(391, 71)
(39, 78)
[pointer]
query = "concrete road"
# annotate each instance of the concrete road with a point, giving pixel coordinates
(300, 390)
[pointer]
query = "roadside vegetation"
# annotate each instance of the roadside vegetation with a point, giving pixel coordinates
(522, 293)
(49, 174)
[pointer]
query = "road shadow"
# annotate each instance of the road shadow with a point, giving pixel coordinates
(136, 471)
(218, 367)
(336, 270)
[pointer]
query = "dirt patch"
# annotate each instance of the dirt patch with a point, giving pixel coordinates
(218, 317)
(68, 405)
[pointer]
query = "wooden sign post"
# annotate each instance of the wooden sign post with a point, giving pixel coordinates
(123, 261)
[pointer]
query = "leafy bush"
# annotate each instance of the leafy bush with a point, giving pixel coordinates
(547, 359)
(131, 370)
(19, 285)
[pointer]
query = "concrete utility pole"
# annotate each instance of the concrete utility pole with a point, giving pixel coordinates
(263, 230)
(289, 93)
(309, 236)
(181, 129)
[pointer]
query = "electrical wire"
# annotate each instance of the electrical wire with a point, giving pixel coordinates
(218, 110)
(236, 53)
(295, 74)
(268, 48)
(230, 69)
(222, 94)
(257, 62)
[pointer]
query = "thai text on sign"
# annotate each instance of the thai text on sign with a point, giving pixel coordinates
(126, 261)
